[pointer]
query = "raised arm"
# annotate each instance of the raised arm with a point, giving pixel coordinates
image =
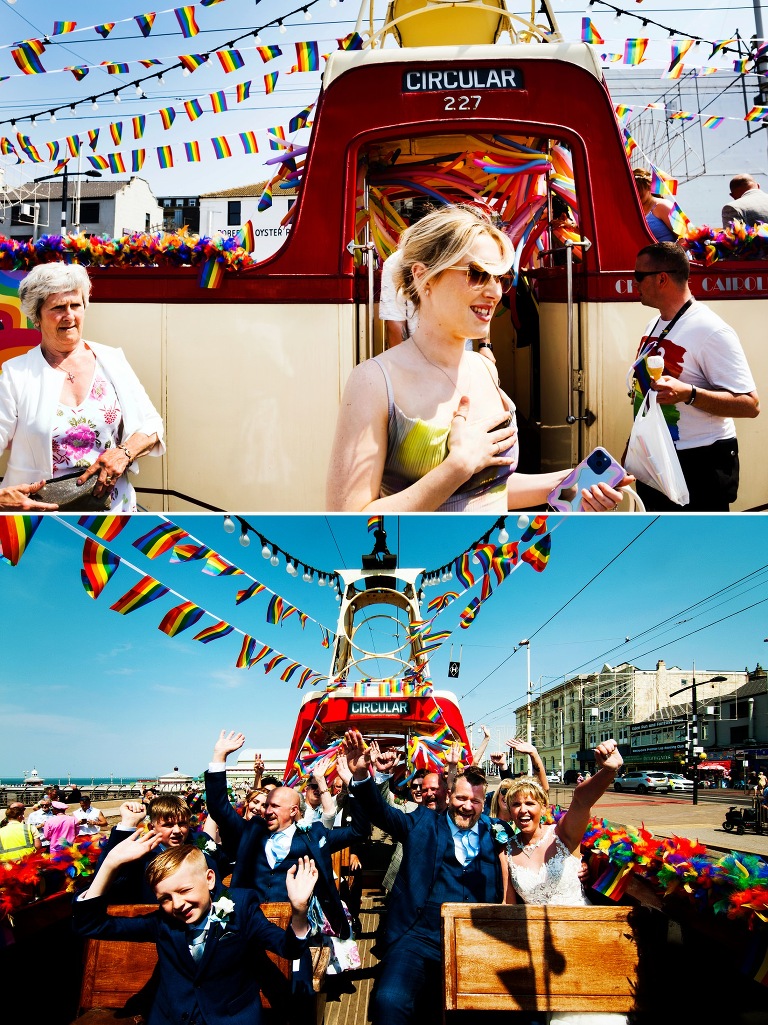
(572, 825)
(524, 748)
(480, 753)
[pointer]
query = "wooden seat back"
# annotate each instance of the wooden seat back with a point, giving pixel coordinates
(117, 971)
(340, 865)
(524, 958)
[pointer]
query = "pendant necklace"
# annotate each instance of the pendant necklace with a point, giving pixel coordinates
(526, 848)
(454, 385)
(56, 366)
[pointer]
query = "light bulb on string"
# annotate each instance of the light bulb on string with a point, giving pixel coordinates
(523, 521)
(274, 561)
(266, 551)
(245, 539)
(116, 95)
(53, 117)
(307, 578)
(291, 568)
(160, 80)
(307, 14)
(280, 26)
(33, 122)
(94, 104)
(321, 580)
(229, 525)
(503, 536)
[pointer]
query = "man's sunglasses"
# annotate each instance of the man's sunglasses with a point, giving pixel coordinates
(477, 278)
(641, 275)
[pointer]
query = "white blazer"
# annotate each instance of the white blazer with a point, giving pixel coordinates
(29, 393)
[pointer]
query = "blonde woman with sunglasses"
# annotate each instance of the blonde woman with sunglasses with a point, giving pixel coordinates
(425, 426)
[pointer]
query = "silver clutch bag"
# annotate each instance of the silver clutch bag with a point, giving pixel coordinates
(65, 493)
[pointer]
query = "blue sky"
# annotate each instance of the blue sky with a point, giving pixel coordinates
(225, 21)
(87, 691)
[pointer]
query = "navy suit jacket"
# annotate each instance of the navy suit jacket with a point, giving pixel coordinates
(221, 988)
(315, 842)
(425, 836)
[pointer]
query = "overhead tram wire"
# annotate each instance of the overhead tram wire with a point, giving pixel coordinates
(564, 606)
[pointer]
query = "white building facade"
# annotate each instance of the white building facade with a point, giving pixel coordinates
(227, 211)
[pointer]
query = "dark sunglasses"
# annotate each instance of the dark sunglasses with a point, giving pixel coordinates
(641, 275)
(477, 278)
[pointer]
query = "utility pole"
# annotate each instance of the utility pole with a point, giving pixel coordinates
(693, 727)
(529, 723)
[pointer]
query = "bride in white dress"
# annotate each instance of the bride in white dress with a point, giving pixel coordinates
(543, 861)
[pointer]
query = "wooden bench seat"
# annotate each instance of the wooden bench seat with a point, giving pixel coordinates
(117, 981)
(524, 958)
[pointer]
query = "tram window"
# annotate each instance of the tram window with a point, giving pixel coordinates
(233, 213)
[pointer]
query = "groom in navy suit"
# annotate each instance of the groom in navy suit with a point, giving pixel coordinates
(205, 946)
(450, 856)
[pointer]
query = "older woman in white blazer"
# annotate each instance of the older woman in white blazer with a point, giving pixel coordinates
(69, 403)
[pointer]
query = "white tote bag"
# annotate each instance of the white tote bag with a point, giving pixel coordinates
(651, 454)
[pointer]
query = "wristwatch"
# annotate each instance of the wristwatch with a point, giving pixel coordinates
(485, 345)
(127, 452)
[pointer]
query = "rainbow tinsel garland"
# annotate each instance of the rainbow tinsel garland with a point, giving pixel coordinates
(736, 242)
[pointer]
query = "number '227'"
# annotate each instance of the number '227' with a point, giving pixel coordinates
(462, 102)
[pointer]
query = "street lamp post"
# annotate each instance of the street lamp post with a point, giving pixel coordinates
(693, 734)
(529, 723)
(65, 176)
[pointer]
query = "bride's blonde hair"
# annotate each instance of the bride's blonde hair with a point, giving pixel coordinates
(525, 786)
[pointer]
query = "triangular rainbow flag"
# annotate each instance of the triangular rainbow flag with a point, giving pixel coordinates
(98, 566)
(538, 525)
(105, 29)
(160, 539)
(145, 23)
(181, 618)
(147, 590)
(538, 554)
(247, 237)
(589, 33)
(105, 527)
(15, 534)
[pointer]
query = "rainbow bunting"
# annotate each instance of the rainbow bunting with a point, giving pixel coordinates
(145, 23)
(7, 148)
(27, 56)
(210, 3)
(276, 137)
(230, 60)
(505, 560)
(740, 66)
(192, 61)
(218, 102)
(105, 527)
(139, 123)
(270, 81)
(98, 566)
(462, 570)
(138, 156)
(468, 614)
(538, 554)
(165, 157)
(61, 165)
(149, 62)
(679, 50)
(100, 163)
(375, 523)
(192, 149)
(15, 534)
(193, 109)
(250, 146)
(247, 236)
(756, 114)
(483, 554)
(675, 72)
(93, 137)
(442, 601)
(305, 677)
(213, 633)
(713, 122)
(147, 590)
(116, 67)
(73, 144)
(53, 151)
(257, 656)
(720, 44)
(246, 651)
(25, 144)
(538, 525)
(186, 19)
(79, 71)
(105, 29)
(62, 28)
(622, 110)
(248, 592)
(274, 661)
(326, 637)
(181, 618)
(678, 220)
(634, 51)
(116, 163)
(189, 553)
(629, 144)
(160, 540)
(266, 198)
(116, 131)
(275, 610)
(662, 184)
(299, 120)
(351, 41)
(221, 147)
(307, 57)
(167, 116)
(289, 670)
(267, 53)
(589, 33)
(243, 91)
(217, 566)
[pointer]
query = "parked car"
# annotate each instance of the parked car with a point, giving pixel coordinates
(679, 783)
(642, 781)
(553, 777)
(571, 777)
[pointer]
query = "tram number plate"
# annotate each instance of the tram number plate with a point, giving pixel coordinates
(461, 80)
(379, 708)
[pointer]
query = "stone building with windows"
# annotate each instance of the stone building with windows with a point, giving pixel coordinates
(228, 210)
(93, 207)
(570, 719)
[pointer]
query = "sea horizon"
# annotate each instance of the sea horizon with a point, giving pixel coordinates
(66, 779)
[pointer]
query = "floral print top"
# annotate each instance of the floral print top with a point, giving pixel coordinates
(81, 433)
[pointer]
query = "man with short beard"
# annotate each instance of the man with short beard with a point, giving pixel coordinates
(447, 857)
(434, 792)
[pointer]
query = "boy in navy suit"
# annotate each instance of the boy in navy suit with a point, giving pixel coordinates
(206, 947)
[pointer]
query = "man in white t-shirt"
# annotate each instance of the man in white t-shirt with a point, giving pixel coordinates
(39, 816)
(706, 382)
(89, 820)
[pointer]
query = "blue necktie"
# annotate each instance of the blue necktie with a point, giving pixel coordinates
(279, 844)
(467, 843)
(196, 935)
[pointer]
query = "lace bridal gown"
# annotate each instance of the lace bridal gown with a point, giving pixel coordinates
(555, 882)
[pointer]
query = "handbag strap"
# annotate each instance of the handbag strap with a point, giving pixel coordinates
(654, 341)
